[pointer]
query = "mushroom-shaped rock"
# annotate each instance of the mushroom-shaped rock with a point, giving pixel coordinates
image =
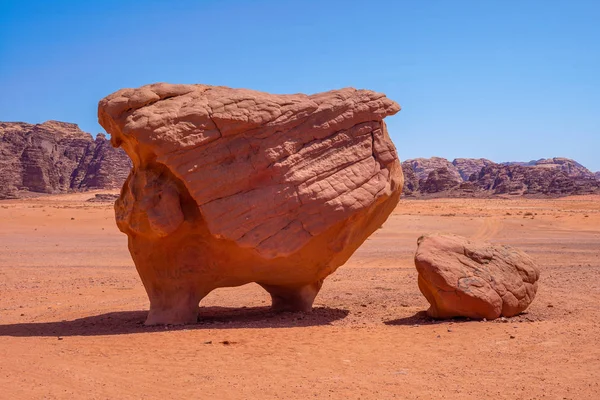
(232, 186)
(462, 278)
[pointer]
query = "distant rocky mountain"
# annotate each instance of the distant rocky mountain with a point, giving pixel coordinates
(422, 167)
(469, 166)
(480, 177)
(570, 167)
(56, 157)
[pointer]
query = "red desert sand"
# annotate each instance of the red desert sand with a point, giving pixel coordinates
(72, 308)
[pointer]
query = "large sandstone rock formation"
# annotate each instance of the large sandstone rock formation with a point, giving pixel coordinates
(56, 157)
(483, 178)
(231, 186)
(477, 280)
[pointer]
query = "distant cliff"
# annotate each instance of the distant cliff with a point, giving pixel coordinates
(57, 157)
(466, 177)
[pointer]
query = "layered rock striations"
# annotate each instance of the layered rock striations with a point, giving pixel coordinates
(231, 186)
(56, 157)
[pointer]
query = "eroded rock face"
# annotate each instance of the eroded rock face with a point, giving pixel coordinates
(569, 167)
(467, 177)
(56, 157)
(533, 180)
(422, 167)
(466, 167)
(231, 186)
(101, 167)
(462, 278)
(440, 180)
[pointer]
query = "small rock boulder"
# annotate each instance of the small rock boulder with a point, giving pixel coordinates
(463, 278)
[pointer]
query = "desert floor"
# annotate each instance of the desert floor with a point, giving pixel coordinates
(72, 307)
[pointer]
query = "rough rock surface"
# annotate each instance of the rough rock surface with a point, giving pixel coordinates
(546, 177)
(461, 278)
(231, 186)
(597, 174)
(411, 181)
(102, 166)
(422, 167)
(570, 167)
(439, 180)
(469, 166)
(522, 180)
(56, 157)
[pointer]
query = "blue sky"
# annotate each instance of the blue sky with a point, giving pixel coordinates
(507, 80)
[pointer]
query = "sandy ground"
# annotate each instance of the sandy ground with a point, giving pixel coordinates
(72, 307)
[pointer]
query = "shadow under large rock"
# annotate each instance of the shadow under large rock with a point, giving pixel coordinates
(421, 318)
(128, 322)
